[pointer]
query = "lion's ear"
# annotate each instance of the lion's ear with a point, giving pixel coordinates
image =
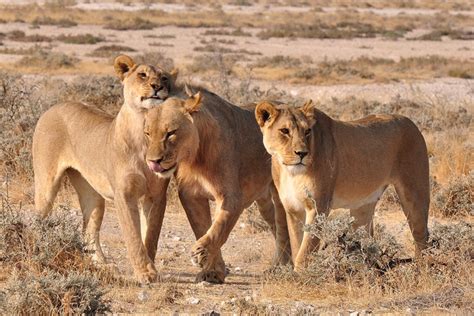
(174, 74)
(265, 112)
(193, 104)
(122, 65)
(308, 108)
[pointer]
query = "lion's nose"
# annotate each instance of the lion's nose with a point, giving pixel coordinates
(156, 87)
(302, 154)
(156, 160)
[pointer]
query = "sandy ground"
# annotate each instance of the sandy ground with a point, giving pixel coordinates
(247, 254)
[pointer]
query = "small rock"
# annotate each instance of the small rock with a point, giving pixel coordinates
(176, 238)
(193, 300)
(353, 313)
(143, 296)
(248, 298)
(237, 269)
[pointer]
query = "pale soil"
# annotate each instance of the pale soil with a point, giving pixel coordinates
(247, 254)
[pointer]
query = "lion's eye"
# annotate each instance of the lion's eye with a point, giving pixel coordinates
(147, 134)
(170, 133)
(285, 131)
(142, 75)
(164, 79)
(307, 132)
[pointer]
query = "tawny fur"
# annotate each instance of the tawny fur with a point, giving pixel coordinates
(216, 152)
(320, 164)
(103, 156)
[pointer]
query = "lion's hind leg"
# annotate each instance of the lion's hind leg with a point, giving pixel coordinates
(48, 175)
(92, 207)
(415, 202)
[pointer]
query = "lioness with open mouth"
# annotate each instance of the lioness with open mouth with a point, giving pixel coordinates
(320, 164)
(216, 152)
(104, 159)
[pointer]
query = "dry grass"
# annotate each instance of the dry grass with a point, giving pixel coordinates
(80, 39)
(109, 51)
(360, 70)
(371, 273)
(47, 60)
(313, 23)
(48, 267)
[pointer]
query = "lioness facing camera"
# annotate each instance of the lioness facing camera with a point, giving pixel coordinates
(320, 164)
(216, 152)
(103, 157)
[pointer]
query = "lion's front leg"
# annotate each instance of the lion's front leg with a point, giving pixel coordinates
(206, 251)
(153, 211)
(126, 200)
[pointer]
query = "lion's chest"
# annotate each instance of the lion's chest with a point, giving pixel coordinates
(295, 193)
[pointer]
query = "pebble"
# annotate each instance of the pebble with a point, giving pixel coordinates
(193, 300)
(143, 296)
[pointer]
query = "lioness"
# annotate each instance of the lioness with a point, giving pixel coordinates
(216, 152)
(103, 156)
(320, 164)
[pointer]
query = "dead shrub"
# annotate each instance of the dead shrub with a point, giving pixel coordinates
(80, 39)
(20, 36)
(19, 111)
(48, 60)
(456, 197)
(50, 272)
(136, 23)
(46, 20)
(349, 254)
(109, 51)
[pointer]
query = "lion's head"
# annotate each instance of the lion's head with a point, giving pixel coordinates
(144, 85)
(287, 133)
(171, 135)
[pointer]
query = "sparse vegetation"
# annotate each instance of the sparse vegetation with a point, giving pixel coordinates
(133, 24)
(80, 39)
(48, 60)
(456, 198)
(361, 69)
(109, 51)
(46, 20)
(49, 269)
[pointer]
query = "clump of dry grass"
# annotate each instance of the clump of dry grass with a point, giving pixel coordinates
(374, 272)
(348, 253)
(109, 51)
(46, 20)
(48, 60)
(136, 23)
(20, 36)
(80, 39)
(456, 198)
(437, 35)
(235, 32)
(50, 272)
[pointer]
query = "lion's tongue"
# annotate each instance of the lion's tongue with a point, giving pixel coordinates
(155, 166)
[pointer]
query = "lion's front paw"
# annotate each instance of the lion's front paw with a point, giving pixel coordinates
(215, 277)
(202, 254)
(147, 275)
(199, 255)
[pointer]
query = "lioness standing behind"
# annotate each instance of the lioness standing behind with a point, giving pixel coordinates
(215, 150)
(103, 156)
(320, 164)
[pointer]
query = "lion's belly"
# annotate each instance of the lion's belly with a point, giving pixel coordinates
(354, 202)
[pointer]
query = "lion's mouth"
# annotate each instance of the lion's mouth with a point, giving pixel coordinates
(158, 168)
(153, 97)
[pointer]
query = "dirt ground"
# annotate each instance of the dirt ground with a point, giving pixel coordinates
(248, 252)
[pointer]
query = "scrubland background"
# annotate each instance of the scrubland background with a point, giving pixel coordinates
(353, 57)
